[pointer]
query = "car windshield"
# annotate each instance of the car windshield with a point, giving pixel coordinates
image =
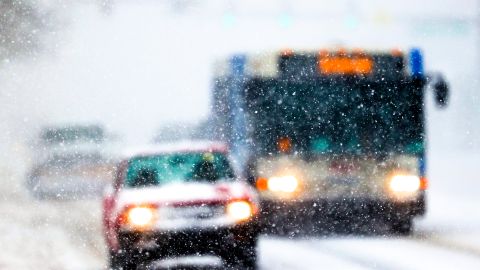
(179, 167)
(73, 134)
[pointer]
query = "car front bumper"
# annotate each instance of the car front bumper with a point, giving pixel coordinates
(210, 240)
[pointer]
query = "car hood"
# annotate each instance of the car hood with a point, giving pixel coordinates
(185, 193)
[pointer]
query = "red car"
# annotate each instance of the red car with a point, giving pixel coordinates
(180, 199)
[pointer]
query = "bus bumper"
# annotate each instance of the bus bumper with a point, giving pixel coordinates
(297, 211)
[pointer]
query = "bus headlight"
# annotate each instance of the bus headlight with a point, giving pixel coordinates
(239, 210)
(141, 216)
(405, 183)
(288, 183)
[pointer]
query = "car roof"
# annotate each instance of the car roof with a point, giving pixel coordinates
(175, 147)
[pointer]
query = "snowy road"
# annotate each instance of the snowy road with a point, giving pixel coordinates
(67, 235)
(364, 253)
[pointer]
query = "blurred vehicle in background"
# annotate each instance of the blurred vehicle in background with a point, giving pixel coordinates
(70, 161)
(329, 133)
(180, 199)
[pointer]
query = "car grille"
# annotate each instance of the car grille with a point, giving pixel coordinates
(191, 212)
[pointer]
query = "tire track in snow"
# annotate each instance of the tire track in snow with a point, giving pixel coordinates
(84, 222)
(43, 233)
(349, 256)
(79, 221)
(394, 253)
(284, 253)
(449, 244)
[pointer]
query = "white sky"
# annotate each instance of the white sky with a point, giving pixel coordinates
(149, 62)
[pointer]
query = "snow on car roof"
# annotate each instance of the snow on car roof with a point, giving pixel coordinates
(181, 146)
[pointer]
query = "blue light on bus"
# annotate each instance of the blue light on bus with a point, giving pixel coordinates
(237, 63)
(416, 62)
(239, 145)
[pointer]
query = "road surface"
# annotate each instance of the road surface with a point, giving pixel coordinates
(62, 234)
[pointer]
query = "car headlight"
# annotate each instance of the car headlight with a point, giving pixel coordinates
(141, 216)
(405, 183)
(239, 210)
(288, 183)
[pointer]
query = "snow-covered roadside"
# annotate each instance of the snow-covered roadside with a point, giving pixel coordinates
(452, 218)
(50, 235)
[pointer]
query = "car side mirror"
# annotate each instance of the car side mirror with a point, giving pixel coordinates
(441, 89)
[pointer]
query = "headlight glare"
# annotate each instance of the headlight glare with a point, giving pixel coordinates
(141, 216)
(240, 210)
(405, 183)
(286, 184)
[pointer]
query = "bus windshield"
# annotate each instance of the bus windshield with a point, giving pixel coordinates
(351, 116)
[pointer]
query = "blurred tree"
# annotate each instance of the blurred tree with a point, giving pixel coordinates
(22, 23)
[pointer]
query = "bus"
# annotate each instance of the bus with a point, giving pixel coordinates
(331, 132)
